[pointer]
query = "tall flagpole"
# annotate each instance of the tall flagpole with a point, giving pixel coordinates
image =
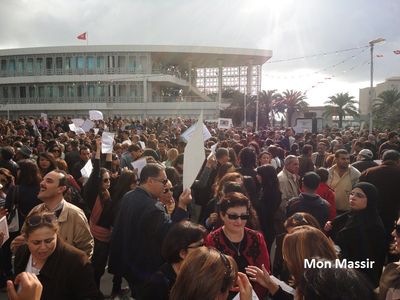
(87, 38)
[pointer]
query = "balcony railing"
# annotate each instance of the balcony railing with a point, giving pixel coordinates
(99, 99)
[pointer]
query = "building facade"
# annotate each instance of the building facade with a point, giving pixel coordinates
(388, 84)
(128, 81)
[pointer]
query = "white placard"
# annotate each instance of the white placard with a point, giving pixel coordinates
(194, 154)
(138, 165)
(78, 122)
(189, 132)
(79, 131)
(43, 115)
(96, 130)
(87, 169)
(302, 125)
(142, 145)
(107, 142)
(72, 127)
(213, 148)
(87, 125)
(224, 123)
(95, 115)
(4, 229)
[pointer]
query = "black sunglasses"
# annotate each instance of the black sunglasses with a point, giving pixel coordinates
(235, 217)
(171, 190)
(37, 220)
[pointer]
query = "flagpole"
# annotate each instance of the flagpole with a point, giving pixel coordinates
(87, 38)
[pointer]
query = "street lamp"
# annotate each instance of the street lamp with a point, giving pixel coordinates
(371, 45)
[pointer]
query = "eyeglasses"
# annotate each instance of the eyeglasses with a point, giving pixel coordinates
(106, 180)
(397, 228)
(235, 217)
(171, 190)
(163, 181)
(37, 220)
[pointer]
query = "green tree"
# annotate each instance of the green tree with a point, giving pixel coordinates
(266, 101)
(341, 105)
(236, 107)
(291, 102)
(386, 109)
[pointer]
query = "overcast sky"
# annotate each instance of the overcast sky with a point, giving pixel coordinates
(290, 28)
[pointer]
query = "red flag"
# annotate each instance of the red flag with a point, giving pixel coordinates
(397, 52)
(82, 36)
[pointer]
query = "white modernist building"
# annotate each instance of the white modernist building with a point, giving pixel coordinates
(129, 81)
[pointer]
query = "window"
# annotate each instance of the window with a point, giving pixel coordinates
(50, 91)
(91, 90)
(4, 65)
(49, 63)
(22, 92)
(69, 63)
(20, 65)
(100, 62)
(121, 62)
(59, 63)
(11, 65)
(70, 91)
(5, 92)
(79, 90)
(80, 63)
(39, 64)
(31, 91)
(41, 91)
(29, 65)
(60, 91)
(90, 63)
(101, 91)
(131, 63)
(13, 92)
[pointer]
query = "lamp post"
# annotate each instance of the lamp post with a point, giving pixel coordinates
(371, 45)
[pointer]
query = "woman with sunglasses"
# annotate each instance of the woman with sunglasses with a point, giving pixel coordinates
(245, 245)
(56, 151)
(97, 195)
(182, 239)
(64, 271)
(360, 233)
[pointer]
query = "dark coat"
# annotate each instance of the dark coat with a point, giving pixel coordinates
(312, 204)
(386, 179)
(361, 235)
(362, 165)
(137, 236)
(160, 283)
(67, 273)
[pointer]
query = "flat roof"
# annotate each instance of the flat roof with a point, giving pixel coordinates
(200, 56)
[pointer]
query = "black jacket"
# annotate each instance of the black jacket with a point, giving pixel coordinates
(312, 204)
(137, 236)
(67, 273)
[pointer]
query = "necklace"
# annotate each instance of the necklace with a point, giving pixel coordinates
(233, 244)
(236, 248)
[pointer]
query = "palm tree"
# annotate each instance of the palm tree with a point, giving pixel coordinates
(385, 108)
(293, 101)
(266, 100)
(341, 105)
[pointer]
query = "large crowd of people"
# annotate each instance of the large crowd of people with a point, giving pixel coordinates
(263, 204)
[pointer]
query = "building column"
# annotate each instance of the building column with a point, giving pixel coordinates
(145, 89)
(190, 75)
(219, 84)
